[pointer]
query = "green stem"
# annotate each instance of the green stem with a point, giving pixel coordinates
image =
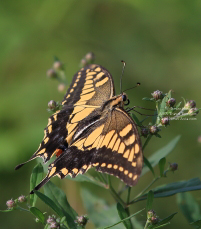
(113, 192)
(128, 196)
(146, 225)
(141, 193)
(22, 209)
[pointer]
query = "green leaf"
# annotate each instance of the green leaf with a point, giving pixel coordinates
(36, 177)
(85, 178)
(50, 203)
(148, 99)
(99, 212)
(148, 164)
(150, 199)
(8, 210)
(178, 105)
(134, 117)
(163, 152)
(38, 214)
(189, 207)
(60, 200)
(163, 225)
(164, 222)
(154, 118)
(163, 106)
(122, 220)
(197, 223)
(174, 188)
(123, 214)
(162, 166)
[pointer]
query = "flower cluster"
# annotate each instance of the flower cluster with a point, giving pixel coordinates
(166, 111)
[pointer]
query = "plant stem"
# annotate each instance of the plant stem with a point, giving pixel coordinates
(146, 225)
(141, 193)
(113, 192)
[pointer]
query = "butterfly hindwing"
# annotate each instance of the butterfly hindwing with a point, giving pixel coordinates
(111, 144)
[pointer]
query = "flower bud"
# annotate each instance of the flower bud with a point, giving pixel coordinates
(190, 104)
(90, 57)
(50, 219)
(157, 95)
(51, 73)
(82, 220)
(193, 111)
(54, 225)
(61, 87)
(165, 121)
(154, 220)
(11, 204)
(150, 213)
(153, 129)
(52, 105)
(171, 102)
(173, 167)
(144, 132)
(58, 65)
(22, 199)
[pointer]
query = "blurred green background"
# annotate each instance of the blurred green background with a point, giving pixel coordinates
(161, 44)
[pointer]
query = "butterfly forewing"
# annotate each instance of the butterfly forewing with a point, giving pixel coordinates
(88, 131)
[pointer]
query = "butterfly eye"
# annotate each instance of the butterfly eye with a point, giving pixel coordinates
(124, 98)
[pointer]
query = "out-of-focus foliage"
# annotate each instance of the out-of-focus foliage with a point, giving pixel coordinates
(160, 42)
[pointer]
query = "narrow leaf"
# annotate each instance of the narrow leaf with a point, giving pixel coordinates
(123, 214)
(38, 214)
(174, 188)
(50, 203)
(162, 166)
(189, 207)
(167, 219)
(148, 164)
(163, 152)
(150, 199)
(122, 220)
(60, 200)
(8, 210)
(99, 212)
(85, 178)
(163, 225)
(196, 223)
(36, 177)
(136, 119)
(148, 99)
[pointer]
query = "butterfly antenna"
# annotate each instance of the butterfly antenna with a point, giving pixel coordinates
(124, 65)
(138, 84)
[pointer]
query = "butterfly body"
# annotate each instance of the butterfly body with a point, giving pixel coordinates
(92, 130)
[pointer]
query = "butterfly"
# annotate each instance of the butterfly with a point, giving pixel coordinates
(92, 129)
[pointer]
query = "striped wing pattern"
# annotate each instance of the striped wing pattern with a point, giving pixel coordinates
(82, 135)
